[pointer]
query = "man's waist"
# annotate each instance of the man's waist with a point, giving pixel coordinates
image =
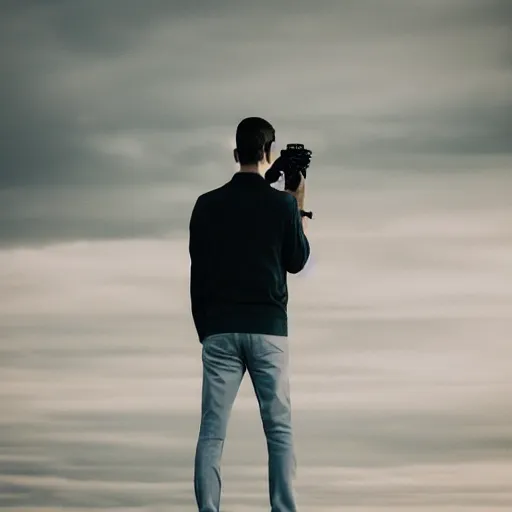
(249, 308)
(248, 318)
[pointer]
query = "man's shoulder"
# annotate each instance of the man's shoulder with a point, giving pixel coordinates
(209, 195)
(273, 195)
(284, 198)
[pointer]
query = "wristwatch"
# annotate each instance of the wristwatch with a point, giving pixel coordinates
(304, 213)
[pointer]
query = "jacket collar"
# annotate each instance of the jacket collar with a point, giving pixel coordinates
(247, 177)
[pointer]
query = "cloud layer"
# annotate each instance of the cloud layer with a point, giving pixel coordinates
(116, 115)
(101, 98)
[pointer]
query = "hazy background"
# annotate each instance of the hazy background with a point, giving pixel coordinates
(115, 115)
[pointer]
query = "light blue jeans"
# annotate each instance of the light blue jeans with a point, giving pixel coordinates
(225, 360)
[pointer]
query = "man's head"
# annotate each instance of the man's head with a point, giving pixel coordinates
(254, 139)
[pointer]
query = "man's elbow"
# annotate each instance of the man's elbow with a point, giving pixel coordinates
(298, 264)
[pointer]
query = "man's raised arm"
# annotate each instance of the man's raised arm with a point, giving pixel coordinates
(296, 249)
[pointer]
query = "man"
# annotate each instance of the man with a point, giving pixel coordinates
(244, 238)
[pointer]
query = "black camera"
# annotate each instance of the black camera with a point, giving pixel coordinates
(293, 161)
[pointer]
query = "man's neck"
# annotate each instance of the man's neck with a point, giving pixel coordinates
(254, 169)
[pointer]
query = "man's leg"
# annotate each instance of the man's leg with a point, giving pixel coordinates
(268, 361)
(223, 371)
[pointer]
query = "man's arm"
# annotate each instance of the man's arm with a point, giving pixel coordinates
(300, 195)
(196, 271)
(296, 247)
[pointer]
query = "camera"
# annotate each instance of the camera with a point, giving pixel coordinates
(292, 162)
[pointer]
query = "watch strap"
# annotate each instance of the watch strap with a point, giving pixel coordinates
(304, 213)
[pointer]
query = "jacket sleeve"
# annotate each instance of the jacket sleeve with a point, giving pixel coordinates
(197, 256)
(296, 248)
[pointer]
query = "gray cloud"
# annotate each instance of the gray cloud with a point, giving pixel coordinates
(141, 457)
(399, 398)
(139, 94)
(115, 115)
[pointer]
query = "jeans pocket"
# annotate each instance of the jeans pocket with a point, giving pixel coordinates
(266, 345)
(220, 345)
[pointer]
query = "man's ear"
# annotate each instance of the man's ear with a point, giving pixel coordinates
(268, 152)
(235, 154)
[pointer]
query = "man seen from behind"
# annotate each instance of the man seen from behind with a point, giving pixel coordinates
(244, 238)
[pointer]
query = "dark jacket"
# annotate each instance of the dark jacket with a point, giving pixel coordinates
(244, 238)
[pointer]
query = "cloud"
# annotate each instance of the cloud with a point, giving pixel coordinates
(149, 94)
(101, 369)
(116, 115)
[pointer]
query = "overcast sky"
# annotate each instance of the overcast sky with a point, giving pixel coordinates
(116, 114)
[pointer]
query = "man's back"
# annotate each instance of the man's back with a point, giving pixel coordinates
(244, 238)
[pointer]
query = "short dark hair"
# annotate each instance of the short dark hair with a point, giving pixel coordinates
(254, 137)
